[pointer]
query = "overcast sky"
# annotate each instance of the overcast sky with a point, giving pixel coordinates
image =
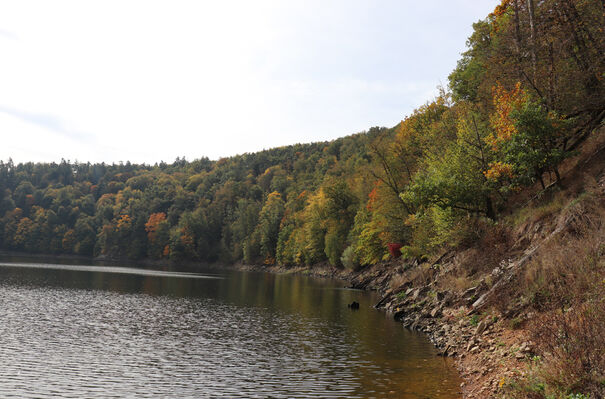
(147, 81)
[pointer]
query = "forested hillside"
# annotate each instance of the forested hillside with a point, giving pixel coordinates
(527, 92)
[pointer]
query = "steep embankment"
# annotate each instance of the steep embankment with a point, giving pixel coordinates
(521, 309)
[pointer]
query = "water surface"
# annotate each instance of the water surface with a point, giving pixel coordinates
(73, 331)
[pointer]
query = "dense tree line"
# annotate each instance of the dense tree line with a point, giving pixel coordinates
(525, 94)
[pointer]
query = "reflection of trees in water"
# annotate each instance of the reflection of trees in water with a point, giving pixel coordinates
(280, 331)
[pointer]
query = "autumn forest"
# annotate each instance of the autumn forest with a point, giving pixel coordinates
(526, 93)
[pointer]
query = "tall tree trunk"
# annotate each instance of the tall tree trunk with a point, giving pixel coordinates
(518, 41)
(489, 208)
(532, 38)
(551, 77)
(569, 16)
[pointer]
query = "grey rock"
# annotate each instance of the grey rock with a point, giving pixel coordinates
(436, 312)
(481, 327)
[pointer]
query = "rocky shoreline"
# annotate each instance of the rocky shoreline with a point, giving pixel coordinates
(466, 301)
(486, 352)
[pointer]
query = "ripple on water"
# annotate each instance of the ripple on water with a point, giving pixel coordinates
(78, 343)
(73, 343)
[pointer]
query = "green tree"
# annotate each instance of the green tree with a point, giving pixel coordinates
(529, 139)
(268, 226)
(456, 176)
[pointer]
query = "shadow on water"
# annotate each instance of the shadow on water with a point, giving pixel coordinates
(121, 330)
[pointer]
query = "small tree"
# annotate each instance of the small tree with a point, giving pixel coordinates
(455, 177)
(528, 139)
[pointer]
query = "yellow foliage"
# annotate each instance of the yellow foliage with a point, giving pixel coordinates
(505, 102)
(24, 231)
(69, 240)
(273, 196)
(498, 170)
(502, 7)
(124, 222)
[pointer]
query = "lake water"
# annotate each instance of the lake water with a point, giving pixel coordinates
(81, 331)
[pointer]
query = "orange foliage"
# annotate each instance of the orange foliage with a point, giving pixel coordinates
(124, 222)
(505, 102)
(186, 238)
(274, 196)
(502, 7)
(497, 170)
(152, 224)
(410, 220)
(373, 196)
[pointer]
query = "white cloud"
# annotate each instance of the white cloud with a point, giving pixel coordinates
(151, 80)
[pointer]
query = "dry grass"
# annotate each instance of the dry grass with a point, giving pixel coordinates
(397, 280)
(572, 364)
(450, 282)
(565, 285)
(565, 273)
(422, 275)
(573, 344)
(480, 259)
(566, 267)
(548, 205)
